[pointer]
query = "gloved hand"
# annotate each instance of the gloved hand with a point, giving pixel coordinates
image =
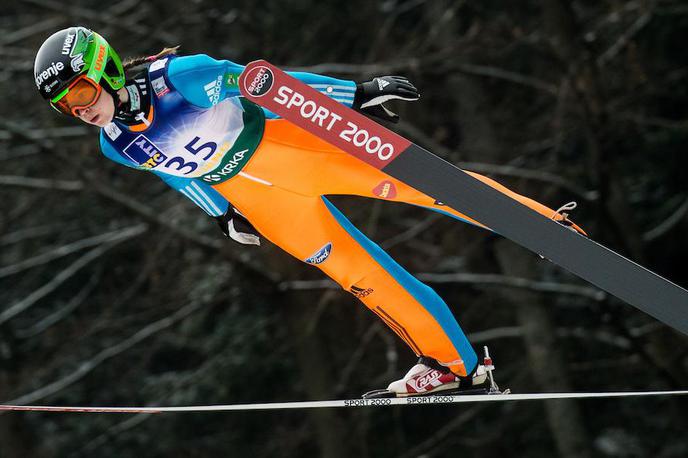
(371, 95)
(235, 226)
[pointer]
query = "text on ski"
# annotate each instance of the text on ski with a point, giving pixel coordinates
(329, 120)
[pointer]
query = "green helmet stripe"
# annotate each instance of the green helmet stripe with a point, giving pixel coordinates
(60, 95)
(98, 58)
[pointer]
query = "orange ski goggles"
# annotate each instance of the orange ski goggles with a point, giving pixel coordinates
(82, 93)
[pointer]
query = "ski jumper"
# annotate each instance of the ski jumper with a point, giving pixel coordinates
(216, 147)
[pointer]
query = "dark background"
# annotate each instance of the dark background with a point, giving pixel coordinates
(115, 290)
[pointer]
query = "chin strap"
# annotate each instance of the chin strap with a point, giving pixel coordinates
(142, 118)
(138, 104)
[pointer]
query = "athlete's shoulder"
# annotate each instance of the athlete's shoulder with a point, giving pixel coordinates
(109, 136)
(194, 63)
(202, 80)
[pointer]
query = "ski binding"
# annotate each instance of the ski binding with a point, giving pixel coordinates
(490, 387)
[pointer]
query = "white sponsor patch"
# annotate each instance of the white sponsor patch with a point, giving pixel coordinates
(160, 87)
(112, 131)
(158, 64)
(134, 98)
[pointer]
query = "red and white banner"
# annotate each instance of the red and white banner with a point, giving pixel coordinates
(268, 86)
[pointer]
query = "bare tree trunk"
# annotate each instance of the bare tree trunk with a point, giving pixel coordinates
(565, 421)
(316, 374)
(615, 215)
(590, 101)
(545, 361)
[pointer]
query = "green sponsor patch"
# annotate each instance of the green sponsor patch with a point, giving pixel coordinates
(232, 81)
(243, 148)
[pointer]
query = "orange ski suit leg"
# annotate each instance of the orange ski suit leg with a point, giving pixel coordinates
(311, 228)
(281, 191)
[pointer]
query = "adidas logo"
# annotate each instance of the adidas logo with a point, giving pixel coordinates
(212, 90)
(382, 84)
(360, 292)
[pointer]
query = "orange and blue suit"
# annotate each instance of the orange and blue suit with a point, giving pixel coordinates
(215, 147)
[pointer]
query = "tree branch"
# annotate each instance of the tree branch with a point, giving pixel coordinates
(471, 279)
(33, 29)
(26, 234)
(506, 75)
(59, 252)
(445, 431)
(49, 132)
(63, 276)
(356, 356)
(666, 225)
(495, 169)
(624, 39)
(514, 282)
(41, 183)
(109, 19)
(410, 232)
(149, 214)
(61, 313)
(508, 170)
(86, 367)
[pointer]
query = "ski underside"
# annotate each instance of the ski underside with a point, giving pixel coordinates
(343, 127)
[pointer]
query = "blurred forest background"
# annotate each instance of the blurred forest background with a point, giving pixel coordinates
(111, 298)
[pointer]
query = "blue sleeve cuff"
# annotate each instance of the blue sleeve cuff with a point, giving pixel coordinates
(343, 91)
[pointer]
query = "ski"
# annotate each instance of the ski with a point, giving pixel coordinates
(343, 127)
(339, 403)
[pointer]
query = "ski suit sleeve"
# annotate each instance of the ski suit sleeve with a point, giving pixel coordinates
(198, 192)
(204, 81)
(111, 153)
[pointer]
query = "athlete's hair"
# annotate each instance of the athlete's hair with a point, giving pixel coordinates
(134, 62)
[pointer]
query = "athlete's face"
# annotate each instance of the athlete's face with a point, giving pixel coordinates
(100, 113)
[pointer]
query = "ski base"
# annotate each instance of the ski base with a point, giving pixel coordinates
(386, 394)
(343, 127)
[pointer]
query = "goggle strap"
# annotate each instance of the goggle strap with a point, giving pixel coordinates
(60, 95)
(93, 73)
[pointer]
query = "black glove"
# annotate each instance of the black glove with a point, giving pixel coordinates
(371, 95)
(235, 226)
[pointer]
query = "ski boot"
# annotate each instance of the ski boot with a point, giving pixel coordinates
(428, 378)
